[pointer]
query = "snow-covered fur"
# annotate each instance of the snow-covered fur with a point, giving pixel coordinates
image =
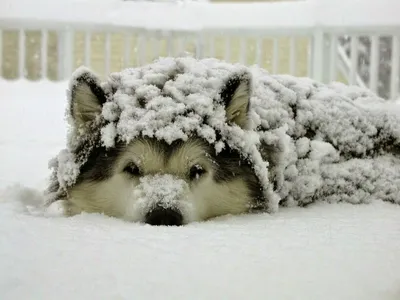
(184, 139)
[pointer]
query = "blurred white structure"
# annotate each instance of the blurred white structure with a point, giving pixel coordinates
(321, 22)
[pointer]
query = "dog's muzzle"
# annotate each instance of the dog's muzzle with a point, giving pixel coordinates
(164, 216)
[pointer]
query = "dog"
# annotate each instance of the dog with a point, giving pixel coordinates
(127, 165)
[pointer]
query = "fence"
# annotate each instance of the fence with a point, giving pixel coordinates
(44, 39)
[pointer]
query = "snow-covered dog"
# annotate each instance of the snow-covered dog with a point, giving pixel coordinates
(184, 140)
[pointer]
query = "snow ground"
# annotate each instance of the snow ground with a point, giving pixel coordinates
(321, 252)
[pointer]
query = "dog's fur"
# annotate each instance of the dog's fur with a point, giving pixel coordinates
(173, 183)
(214, 184)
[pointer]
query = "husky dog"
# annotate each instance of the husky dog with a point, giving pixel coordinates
(158, 180)
(200, 183)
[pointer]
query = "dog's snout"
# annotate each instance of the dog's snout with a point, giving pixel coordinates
(164, 216)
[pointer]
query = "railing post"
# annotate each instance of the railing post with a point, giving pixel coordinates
(200, 45)
(65, 53)
(1, 52)
(374, 64)
(333, 57)
(170, 43)
(320, 59)
(140, 49)
(275, 56)
(22, 70)
(43, 54)
(107, 54)
(395, 72)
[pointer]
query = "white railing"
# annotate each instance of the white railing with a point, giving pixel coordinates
(281, 36)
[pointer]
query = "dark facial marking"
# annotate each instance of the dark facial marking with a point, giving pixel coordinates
(230, 165)
(99, 165)
(142, 102)
(196, 171)
(132, 170)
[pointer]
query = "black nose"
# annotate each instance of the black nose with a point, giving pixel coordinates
(164, 216)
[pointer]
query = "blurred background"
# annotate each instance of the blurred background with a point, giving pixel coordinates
(46, 52)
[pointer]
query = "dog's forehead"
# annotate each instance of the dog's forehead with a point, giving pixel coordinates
(155, 154)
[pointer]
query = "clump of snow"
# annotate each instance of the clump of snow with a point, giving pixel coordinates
(299, 132)
(323, 152)
(67, 170)
(160, 190)
(163, 190)
(108, 134)
(303, 147)
(21, 199)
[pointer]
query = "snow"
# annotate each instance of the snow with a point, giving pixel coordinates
(324, 251)
(163, 190)
(35, 112)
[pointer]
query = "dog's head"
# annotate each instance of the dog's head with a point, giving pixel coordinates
(150, 180)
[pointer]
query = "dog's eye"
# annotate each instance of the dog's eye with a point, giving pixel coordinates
(132, 170)
(196, 171)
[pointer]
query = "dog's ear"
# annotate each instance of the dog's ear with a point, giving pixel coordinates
(87, 98)
(235, 94)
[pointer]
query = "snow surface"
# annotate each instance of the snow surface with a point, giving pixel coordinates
(326, 251)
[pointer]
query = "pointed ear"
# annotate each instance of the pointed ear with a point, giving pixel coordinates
(87, 97)
(235, 94)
